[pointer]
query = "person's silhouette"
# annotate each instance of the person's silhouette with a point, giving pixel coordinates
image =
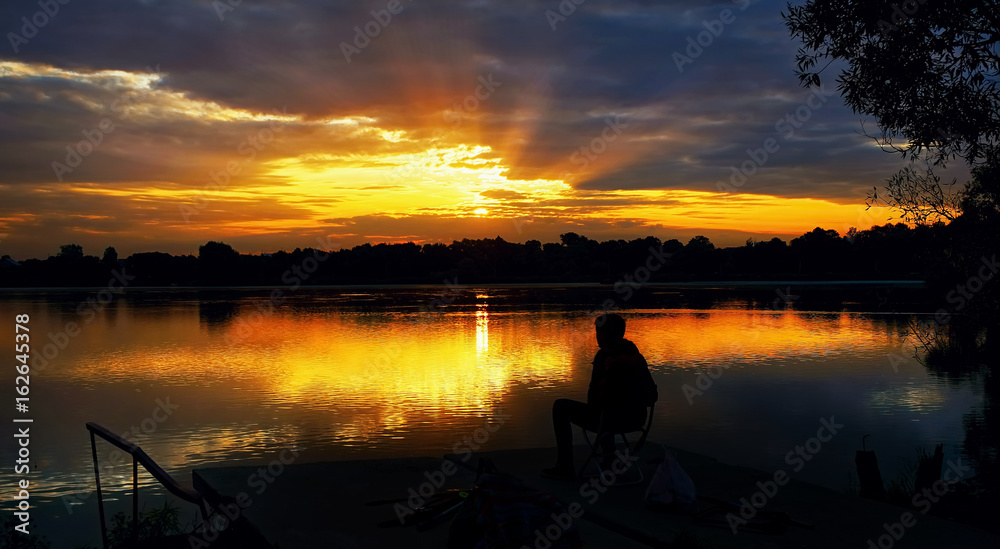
(621, 388)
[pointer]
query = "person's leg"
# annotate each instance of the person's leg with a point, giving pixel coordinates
(565, 413)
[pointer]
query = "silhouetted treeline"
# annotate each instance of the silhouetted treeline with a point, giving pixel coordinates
(886, 252)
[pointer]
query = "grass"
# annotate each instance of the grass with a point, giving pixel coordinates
(159, 522)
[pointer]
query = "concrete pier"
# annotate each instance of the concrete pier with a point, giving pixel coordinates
(326, 505)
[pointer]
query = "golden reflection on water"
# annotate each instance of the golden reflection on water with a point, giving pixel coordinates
(464, 359)
(373, 377)
(250, 382)
(438, 365)
(699, 338)
(482, 328)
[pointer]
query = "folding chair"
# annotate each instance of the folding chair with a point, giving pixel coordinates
(596, 455)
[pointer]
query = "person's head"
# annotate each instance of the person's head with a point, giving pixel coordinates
(610, 329)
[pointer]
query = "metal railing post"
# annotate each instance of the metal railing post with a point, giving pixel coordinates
(100, 497)
(135, 499)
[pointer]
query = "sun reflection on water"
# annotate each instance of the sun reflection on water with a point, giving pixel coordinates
(368, 377)
(482, 328)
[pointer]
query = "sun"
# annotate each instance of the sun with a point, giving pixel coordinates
(480, 211)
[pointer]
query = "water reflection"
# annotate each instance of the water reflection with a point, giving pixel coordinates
(915, 398)
(687, 338)
(216, 313)
(482, 325)
(365, 372)
(386, 372)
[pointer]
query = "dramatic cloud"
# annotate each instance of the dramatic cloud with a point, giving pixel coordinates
(158, 125)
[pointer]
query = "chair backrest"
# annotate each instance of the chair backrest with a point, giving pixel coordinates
(138, 457)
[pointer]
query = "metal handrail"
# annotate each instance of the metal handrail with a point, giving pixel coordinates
(138, 457)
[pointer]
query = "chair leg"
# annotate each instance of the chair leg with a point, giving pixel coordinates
(592, 455)
(596, 450)
(630, 449)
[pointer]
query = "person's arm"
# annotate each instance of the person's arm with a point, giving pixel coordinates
(648, 386)
(595, 392)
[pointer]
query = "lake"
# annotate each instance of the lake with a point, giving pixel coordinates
(206, 376)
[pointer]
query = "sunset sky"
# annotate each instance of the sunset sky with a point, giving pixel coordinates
(455, 120)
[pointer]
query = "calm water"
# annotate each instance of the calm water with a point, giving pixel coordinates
(344, 373)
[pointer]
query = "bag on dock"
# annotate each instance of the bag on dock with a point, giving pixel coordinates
(671, 488)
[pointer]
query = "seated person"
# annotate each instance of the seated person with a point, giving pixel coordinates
(621, 387)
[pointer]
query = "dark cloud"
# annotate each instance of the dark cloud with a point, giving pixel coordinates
(604, 58)
(476, 72)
